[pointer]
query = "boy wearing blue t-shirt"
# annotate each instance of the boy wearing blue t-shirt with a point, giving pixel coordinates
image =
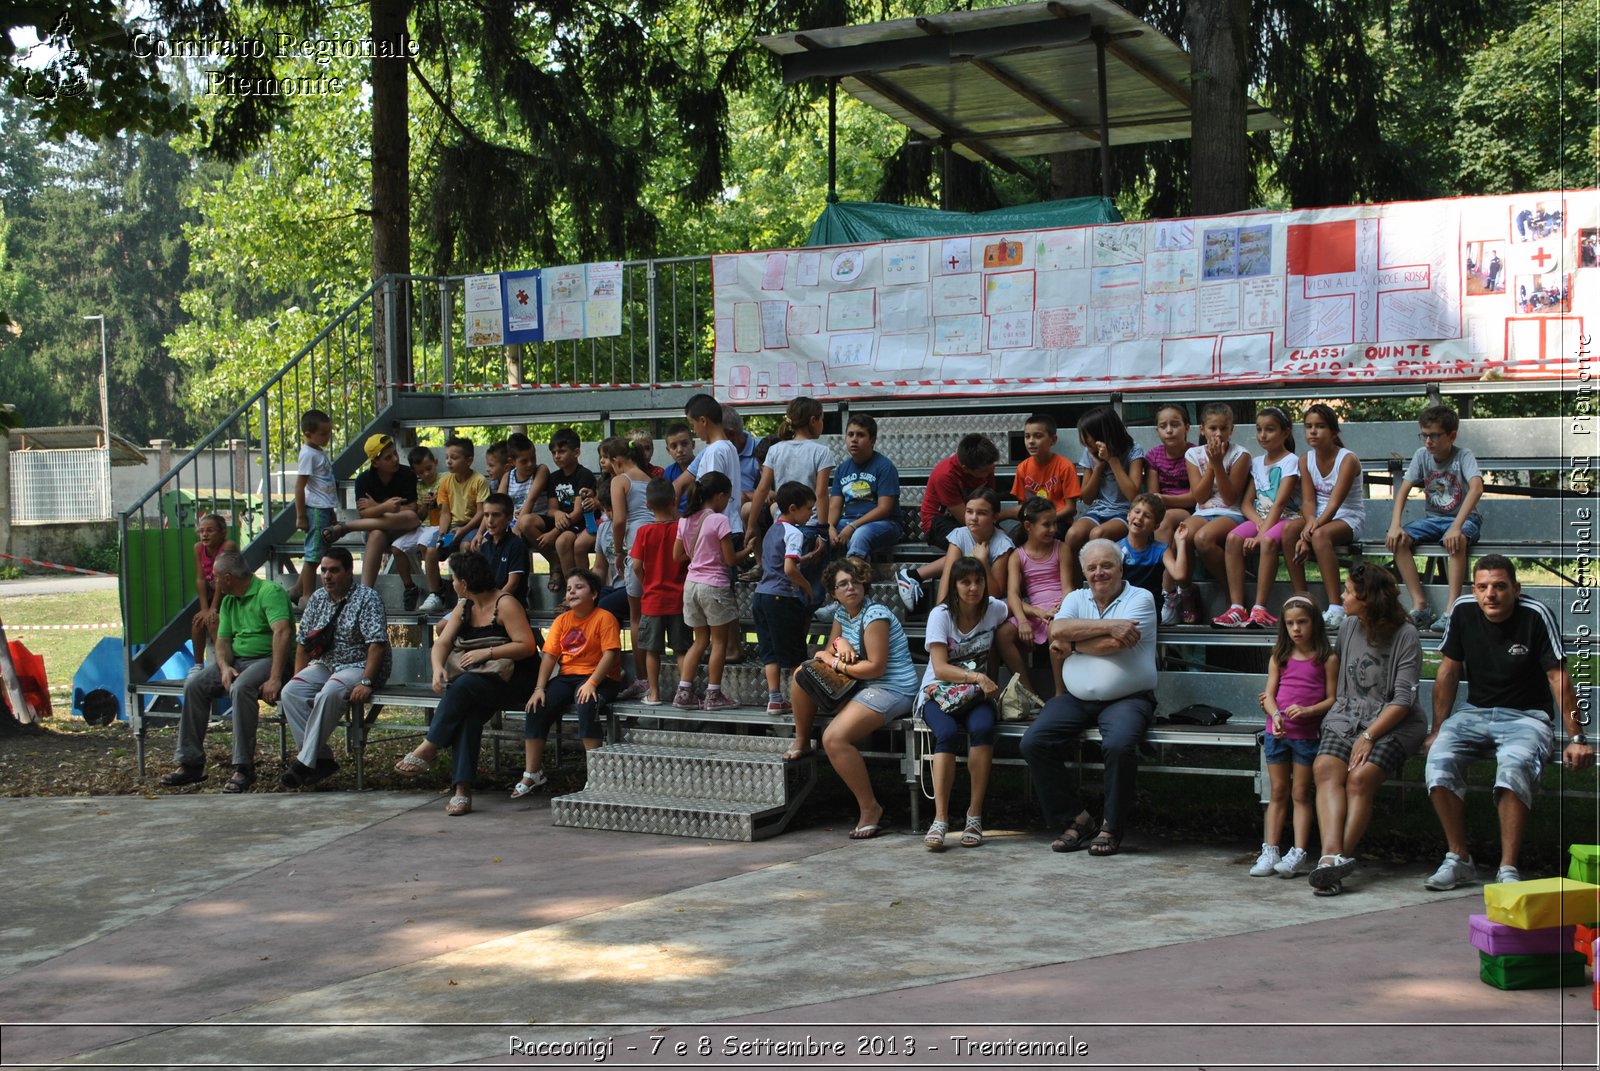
(864, 497)
(1141, 554)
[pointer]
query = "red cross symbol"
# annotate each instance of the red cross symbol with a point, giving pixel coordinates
(953, 263)
(1541, 256)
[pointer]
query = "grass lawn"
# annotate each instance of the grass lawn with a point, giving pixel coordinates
(63, 651)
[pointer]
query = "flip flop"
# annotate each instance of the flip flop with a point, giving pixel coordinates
(458, 805)
(792, 755)
(866, 832)
(412, 765)
(333, 533)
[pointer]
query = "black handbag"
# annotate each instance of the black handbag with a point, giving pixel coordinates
(830, 688)
(321, 641)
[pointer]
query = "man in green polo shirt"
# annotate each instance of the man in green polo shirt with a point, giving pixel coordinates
(255, 634)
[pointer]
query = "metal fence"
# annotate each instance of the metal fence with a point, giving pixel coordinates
(54, 486)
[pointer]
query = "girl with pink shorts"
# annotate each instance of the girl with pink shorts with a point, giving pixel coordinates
(1271, 501)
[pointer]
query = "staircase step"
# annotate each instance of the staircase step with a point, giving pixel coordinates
(721, 742)
(701, 773)
(642, 812)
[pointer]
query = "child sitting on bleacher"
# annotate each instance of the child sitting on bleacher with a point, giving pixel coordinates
(460, 494)
(706, 543)
(1036, 583)
(1219, 475)
(644, 444)
(981, 538)
(572, 493)
(211, 534)
(783, 600)
(608, 566)
(1044, 474)
(1113, 467)
(1273, 500)
(586, 643)
(864, 499)
(1167, 477)
(386, 501)
(661, 579)
(525, 479)
(1334, 473)
(1451, 486)
(1142, 552)
(944, 502)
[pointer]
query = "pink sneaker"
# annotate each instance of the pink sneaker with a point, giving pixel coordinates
(1190, 614)
(718, 700)
(1234, 618)
(1261, 617)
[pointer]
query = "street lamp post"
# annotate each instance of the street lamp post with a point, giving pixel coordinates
(105, 404)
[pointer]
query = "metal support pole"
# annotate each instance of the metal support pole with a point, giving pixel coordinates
(651, 348)
(833, 141)
(448, 360)
(947, 161)
(266, 468)
(1105, 112)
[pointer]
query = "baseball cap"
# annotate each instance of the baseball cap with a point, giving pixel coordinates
(375, 444)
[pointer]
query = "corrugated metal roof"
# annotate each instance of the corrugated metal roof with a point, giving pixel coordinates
(77, 437)
(1018, 101)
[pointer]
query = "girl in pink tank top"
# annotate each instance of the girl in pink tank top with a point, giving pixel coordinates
(1037, 581)
(1302, 677)
(212, 535)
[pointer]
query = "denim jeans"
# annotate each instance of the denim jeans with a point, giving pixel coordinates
(1048, 744)
(872, 537)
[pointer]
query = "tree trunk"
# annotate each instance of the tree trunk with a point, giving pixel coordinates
(1075, 174)
(1218, 54)
(391, 164)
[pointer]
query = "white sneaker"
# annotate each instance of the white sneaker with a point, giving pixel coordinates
(1452, 872)
(1293, 864)
(1333, 618)
(910, 588)
(1171, 604)
(432, 604)
(1266, 861)
(1507, 874)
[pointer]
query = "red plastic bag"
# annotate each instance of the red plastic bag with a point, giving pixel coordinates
(30, 673)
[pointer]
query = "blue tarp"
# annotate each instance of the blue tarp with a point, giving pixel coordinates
(853, 222)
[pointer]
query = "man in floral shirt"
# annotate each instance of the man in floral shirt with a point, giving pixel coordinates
(331, 676)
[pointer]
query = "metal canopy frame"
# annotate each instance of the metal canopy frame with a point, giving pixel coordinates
(1005, 83)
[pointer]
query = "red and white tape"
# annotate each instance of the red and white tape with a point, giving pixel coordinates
(54, 565)
(64, 628)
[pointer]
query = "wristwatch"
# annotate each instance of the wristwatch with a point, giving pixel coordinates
(365, 683)
(1367, 737)
(1578, 738)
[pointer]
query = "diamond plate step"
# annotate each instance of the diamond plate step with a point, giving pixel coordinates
(673, 816)
(714, 786)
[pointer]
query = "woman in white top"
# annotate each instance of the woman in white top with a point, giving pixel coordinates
(960, 638)
(1334, 472)
(798, 457)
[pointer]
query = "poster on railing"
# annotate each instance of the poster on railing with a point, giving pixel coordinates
(1465, 288)
(582, 300)
(485, 311)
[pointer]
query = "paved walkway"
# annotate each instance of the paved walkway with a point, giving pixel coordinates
(338, 928)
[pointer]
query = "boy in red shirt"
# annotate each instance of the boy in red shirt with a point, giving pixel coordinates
(944, 506)
(1044, 473)
(661, 605)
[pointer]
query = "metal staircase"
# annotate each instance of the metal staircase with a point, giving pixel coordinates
(706, 785)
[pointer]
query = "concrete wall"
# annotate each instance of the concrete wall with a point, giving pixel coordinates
(60, 543)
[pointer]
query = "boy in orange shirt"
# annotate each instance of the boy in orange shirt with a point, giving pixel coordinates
(1044, 473)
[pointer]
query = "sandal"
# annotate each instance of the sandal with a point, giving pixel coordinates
(556, 584)
(531, 780)
(333, 533)
(243, 777)
(183, 775)
(458, 805)
(1105, 843)
(1076, 836)
(933, 840)
(972, 836)
(412, 765)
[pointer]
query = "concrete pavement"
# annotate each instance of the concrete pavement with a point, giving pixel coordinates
(370, 929)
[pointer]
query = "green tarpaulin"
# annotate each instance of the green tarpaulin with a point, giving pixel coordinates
(851, 222)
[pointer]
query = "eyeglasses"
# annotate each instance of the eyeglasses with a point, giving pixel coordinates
(1430, 436)
(846, 583)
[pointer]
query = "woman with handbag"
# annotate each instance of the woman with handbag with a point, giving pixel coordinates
(482, 664)
(863, 676)
(957, 693)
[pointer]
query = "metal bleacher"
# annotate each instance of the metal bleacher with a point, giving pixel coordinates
(389, 364)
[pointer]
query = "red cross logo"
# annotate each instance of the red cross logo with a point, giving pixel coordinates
(1541, 257)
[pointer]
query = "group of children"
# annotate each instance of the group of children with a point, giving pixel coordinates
(667, 543)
